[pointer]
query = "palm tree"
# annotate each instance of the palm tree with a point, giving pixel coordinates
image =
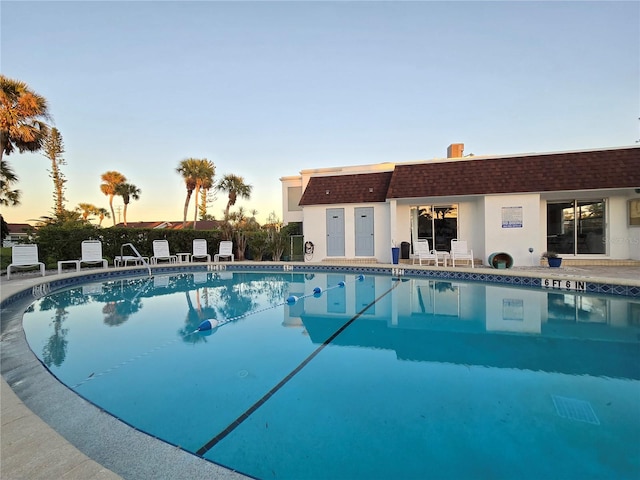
(110, 180)
(7, 179)
(127, 191)
(22, 116)
(195, 172)
(86, 209)
(188, 169)
(235, 187)
(101, 212)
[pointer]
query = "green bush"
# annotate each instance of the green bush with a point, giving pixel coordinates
(65, 243)
(257, 242)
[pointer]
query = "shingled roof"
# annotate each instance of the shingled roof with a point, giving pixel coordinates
(359, 188)
(598, 169)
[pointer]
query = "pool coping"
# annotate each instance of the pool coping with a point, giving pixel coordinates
(120, 450)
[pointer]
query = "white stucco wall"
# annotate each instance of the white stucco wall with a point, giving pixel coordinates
(515, 241)
(634, 243)
(623, 241)
(315, 230)
(289, 216)
(471, 226)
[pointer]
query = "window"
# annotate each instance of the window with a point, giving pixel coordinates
(576, 227)
(437, 223)
(294, 194)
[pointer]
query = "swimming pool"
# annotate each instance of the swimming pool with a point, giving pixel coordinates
(378, 377)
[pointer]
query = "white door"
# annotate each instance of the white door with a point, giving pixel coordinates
(364, 231)
(335, 232)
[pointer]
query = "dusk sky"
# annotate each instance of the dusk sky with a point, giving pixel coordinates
(266, 89)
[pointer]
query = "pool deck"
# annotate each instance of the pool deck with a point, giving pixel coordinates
(37, 447)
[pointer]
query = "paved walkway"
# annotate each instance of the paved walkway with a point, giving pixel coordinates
(31, 450)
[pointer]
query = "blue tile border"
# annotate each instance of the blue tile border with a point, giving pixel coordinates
(57, 283)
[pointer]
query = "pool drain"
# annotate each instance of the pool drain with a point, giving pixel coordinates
(575, 409)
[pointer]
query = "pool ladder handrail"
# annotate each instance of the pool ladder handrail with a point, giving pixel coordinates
(138, 256)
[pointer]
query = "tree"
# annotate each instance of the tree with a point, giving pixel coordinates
(54, 148)
(188, 169)
(195, 173)
(206, 186)
(127, 191)
(235, 187)
(204, 179)
(86, 209)
(4, 229)
(102, 213)
(110, 180)
(22, 117)
(8, 196)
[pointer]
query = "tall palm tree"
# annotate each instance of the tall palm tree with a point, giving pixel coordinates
(235, 187)
(127, 191)
(22, 117)
(110, 180)
(101, 212)
(7, 179)
(188, 168)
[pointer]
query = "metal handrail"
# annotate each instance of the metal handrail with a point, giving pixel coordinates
(138, 256)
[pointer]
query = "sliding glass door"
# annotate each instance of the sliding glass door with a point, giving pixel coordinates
(576, 227)
(436, 223)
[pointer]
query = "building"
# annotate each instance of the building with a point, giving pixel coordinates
(18, 233)
(584, 205)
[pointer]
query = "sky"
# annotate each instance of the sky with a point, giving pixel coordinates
(266, 89)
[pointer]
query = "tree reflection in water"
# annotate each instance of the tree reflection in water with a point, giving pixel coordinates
(195, 316)
(116, 313)
(219, 298)
(55, 350)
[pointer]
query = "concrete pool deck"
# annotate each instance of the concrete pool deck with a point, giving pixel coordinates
(72, 439)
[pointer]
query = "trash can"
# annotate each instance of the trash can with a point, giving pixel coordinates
(395, 255)
(500, 260)
(404, 250)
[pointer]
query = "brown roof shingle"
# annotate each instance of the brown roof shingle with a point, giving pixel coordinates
(614, 168)
(358, 188)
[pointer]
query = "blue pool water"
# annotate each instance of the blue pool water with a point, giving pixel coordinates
(372, 378)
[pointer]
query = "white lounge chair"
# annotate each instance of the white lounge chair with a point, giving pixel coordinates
(200, 249)
(24, 256)
(422, 252)
(225, 250)
(161, 252)
(92, 253)
(460, 251)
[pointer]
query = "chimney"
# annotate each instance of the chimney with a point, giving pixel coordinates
(455, 150)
